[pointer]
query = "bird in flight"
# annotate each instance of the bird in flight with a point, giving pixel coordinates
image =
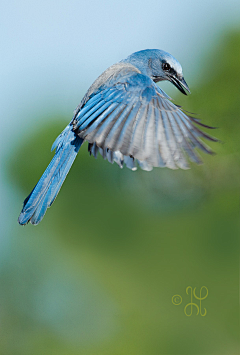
(129, 120)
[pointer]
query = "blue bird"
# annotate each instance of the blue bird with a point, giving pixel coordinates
(128, 119)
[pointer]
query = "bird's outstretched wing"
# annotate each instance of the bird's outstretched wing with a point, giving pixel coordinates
(131, 119)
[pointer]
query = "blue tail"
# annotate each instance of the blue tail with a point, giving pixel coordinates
(44, 193)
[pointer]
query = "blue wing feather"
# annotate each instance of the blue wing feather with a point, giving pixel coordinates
(135, 117)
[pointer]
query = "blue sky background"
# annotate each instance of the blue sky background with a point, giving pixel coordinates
(51, 51)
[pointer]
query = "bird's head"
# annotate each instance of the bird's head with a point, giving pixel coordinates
(159, 66)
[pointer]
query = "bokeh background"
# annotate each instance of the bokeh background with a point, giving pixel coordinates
(97, 276)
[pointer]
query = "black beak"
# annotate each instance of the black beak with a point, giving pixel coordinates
(180, 83)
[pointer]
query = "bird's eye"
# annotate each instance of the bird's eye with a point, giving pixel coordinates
(166, 66)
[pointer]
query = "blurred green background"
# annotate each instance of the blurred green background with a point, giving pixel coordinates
(97, 276)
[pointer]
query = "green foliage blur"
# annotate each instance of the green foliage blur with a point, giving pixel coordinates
(98, 274)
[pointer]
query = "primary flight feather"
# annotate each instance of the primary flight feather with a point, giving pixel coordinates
(129, 120)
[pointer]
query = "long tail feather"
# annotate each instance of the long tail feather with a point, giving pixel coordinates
(44, 193)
